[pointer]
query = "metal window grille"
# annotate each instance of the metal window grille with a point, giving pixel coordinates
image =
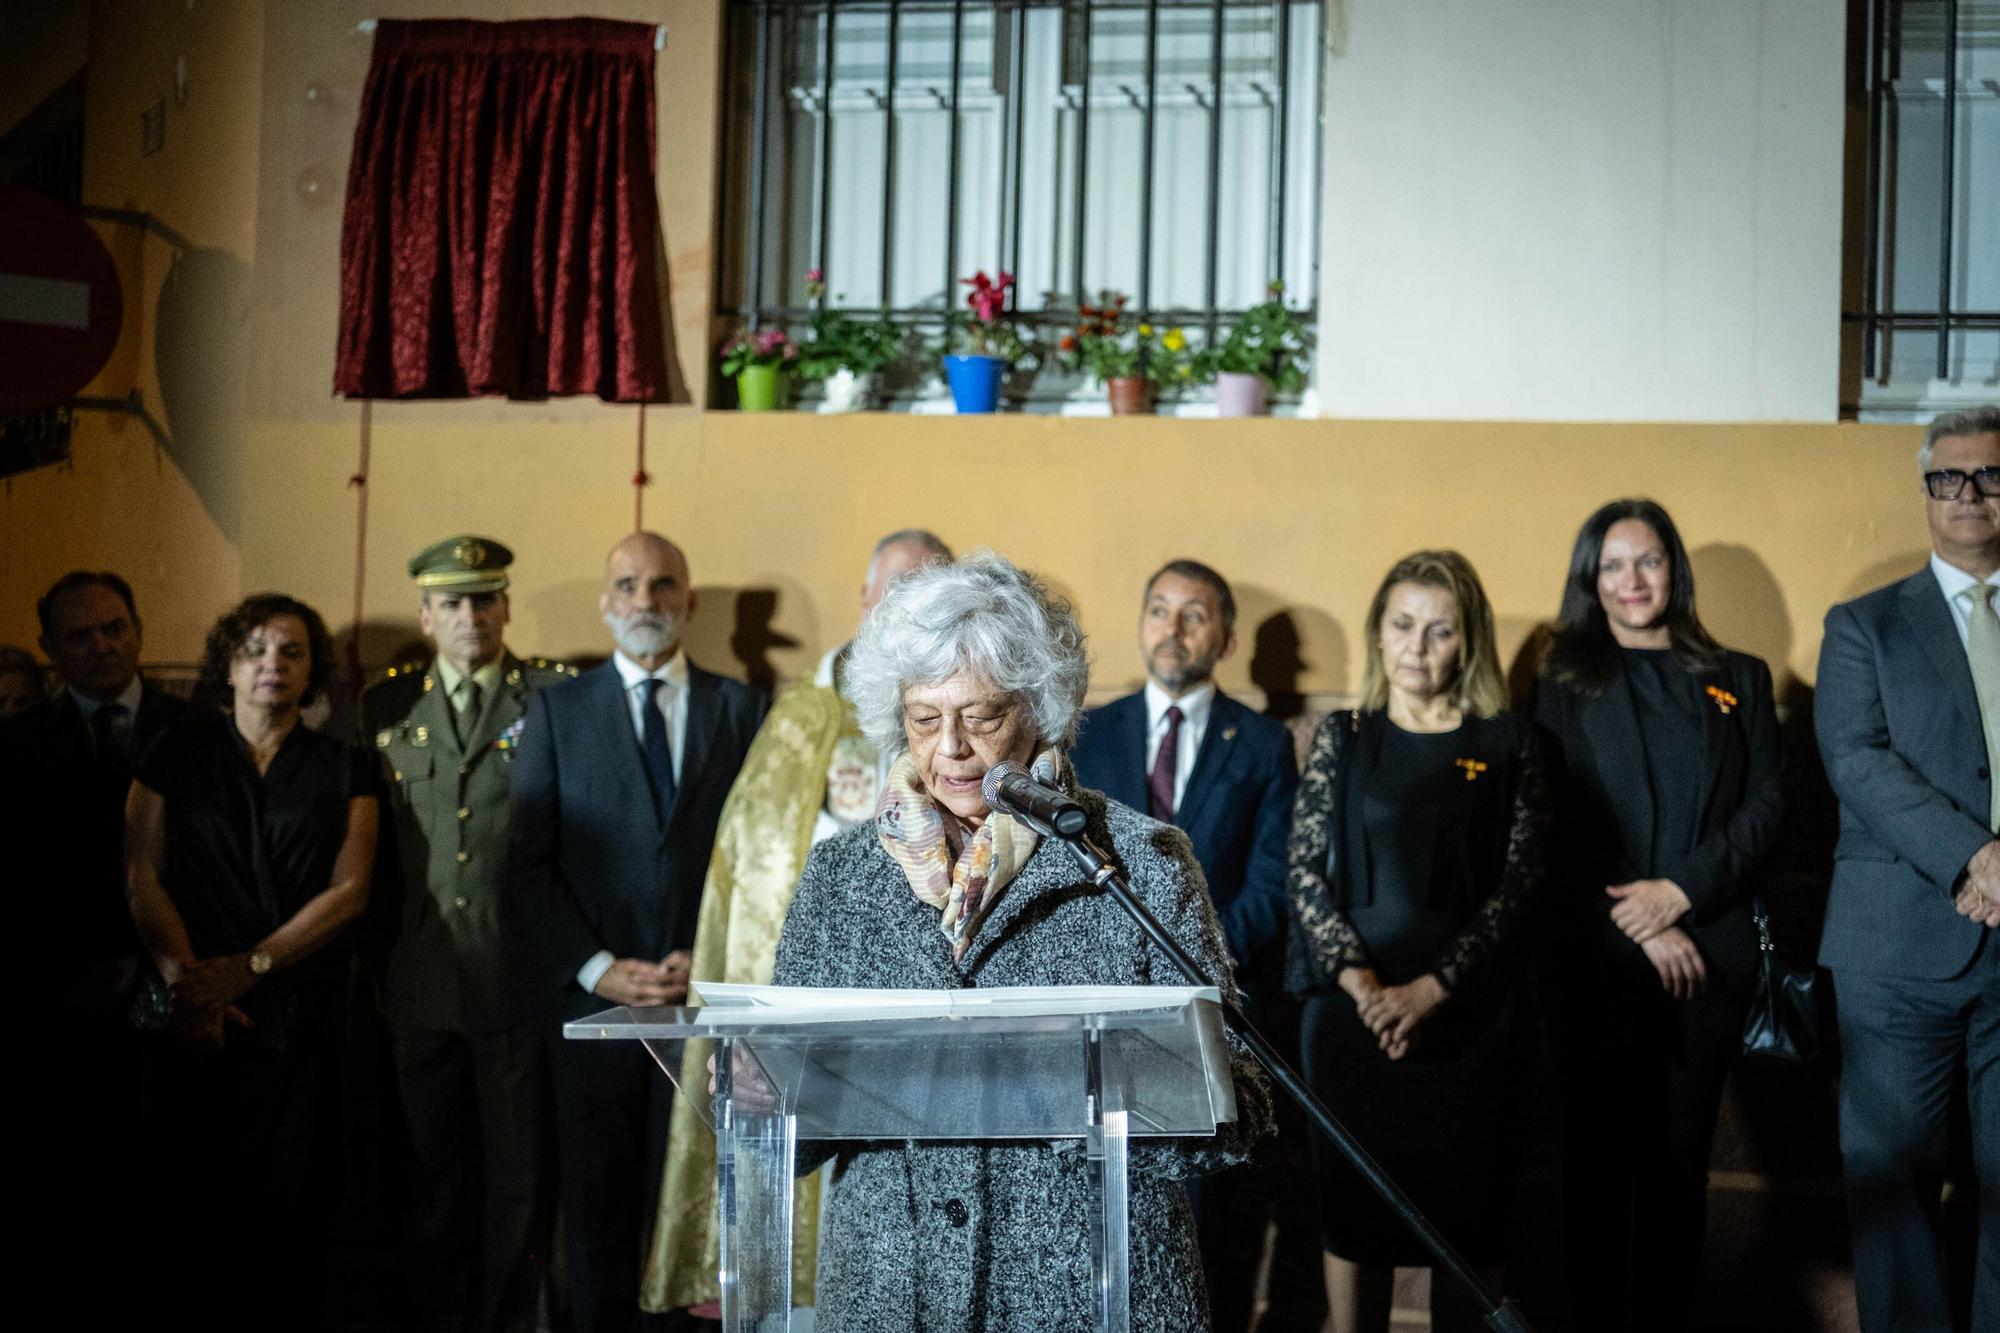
(1167, 149)
(1929, 233)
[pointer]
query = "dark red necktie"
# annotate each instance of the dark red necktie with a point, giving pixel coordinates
(1160, 786)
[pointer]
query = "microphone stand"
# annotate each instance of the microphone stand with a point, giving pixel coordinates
(1501, 1316)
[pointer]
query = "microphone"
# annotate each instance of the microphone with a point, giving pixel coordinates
(1011, 788)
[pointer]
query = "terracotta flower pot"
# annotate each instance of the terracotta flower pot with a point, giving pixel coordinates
(1130, 395)
(1241, 395)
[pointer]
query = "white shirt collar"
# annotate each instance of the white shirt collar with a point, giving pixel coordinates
(1194, 705)
(674, 673)
(1952, 580)
(823, 674)
(129, 697)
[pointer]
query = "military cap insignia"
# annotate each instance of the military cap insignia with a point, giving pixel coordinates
(462, 565)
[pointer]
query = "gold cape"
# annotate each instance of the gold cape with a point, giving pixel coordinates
(761, 843)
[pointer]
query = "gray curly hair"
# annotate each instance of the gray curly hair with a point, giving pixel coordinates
(982, 614)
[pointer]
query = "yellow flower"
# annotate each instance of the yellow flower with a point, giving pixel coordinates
(1174, 341)
(1145, 330)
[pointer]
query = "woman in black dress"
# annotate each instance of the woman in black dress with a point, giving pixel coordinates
(249, 839)
(1667, 794)
(1415, 858)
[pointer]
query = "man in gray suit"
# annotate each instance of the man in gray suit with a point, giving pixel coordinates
(1909, 726)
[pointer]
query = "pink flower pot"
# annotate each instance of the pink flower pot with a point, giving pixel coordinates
(1241, 395)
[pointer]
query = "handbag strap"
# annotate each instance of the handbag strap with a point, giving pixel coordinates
(1762, 916)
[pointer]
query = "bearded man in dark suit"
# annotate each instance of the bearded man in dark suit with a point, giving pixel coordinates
(1191, 756)
(618, 786)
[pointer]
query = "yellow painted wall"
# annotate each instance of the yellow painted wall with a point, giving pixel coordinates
(234, 344)
(1304, 516)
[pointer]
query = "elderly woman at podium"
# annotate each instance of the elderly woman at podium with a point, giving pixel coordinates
(962, 667)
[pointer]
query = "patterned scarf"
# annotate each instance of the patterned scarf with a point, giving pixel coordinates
(912, 828)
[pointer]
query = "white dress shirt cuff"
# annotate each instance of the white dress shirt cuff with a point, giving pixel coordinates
(593, 971)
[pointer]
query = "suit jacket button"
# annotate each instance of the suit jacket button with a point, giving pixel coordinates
(1983, 775)
(954, 1212)
(461, 902)
(463, 857)
(465, 812)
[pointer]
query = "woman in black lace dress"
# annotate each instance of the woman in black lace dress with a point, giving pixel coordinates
(1416, 853)
(1667, 777)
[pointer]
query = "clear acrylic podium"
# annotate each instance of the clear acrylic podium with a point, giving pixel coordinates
(1102, 1064)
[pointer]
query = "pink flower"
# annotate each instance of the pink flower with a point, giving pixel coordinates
(815, 275)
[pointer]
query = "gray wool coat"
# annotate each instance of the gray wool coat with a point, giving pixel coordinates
(972, 1238)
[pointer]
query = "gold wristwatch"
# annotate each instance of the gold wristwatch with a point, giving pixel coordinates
(260, 964)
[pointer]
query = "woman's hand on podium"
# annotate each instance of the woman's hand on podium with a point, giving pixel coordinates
(748, 1088)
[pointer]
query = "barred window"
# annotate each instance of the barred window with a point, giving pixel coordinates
(1928, 240)
(1168, 150)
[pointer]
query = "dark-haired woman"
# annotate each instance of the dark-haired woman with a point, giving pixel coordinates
(1414, 864)
(249, 839)
(1667, 796)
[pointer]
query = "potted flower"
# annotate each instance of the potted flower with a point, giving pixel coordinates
(981, 347)
(1134, 364)
(1268, 349)
(758, 362)
(843, 353)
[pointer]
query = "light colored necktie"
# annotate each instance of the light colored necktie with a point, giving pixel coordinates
(1982, 653)
(467, 715)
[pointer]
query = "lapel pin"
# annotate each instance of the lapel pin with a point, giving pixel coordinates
(1723, 698)
(383, 737)
(1473, 768)
(1229, 733)
(421, 736)
(514, 676)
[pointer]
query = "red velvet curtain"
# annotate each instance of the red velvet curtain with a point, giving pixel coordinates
(501, 234)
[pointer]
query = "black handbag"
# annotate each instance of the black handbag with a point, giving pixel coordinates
(1787, 1007)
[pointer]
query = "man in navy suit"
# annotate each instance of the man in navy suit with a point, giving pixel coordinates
(1190, 755)
(617, 787)
(1908, 714)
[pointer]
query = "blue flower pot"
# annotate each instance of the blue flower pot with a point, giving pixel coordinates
(975, 382)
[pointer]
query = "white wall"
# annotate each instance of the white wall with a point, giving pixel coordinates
(1583, 209)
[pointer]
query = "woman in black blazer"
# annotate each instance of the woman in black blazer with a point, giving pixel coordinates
(1414, 864)
(1666, 797)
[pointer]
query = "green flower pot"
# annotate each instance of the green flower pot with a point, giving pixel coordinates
(763, 388)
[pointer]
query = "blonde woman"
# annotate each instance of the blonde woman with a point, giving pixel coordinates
(1416, 852)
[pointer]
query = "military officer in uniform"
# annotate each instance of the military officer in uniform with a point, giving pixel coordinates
(470, 1062)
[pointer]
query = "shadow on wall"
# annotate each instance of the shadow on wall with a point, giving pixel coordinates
(676, 387)
(201, 351)
(737, 626)
(1287, 643)
(1887, 571)
(1741, 603)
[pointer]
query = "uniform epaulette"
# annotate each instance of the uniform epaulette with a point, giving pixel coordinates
(550, 664)
(400, 670)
